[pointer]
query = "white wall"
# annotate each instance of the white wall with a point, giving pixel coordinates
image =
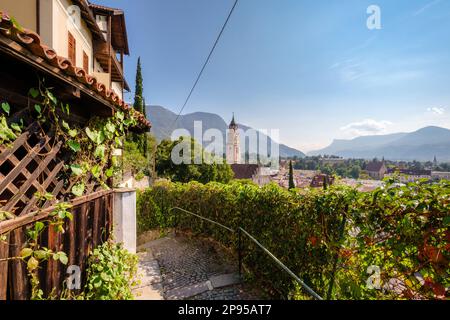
(62, 24)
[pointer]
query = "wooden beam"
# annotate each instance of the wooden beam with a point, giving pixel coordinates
(109, 49)
(7, 226)
(4, 254)
(38, 17)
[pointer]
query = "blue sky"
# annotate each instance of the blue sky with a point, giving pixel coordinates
(309, 68)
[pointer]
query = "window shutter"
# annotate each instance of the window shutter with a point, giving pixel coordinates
(72, 49)
(85, 62)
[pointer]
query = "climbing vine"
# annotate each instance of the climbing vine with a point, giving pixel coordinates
(33, 254)
(87, 151)
(91, 147)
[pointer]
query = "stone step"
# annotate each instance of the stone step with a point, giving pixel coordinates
(149, 277)
(213, 282)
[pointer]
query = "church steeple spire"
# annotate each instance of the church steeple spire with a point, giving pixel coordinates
(233, 124)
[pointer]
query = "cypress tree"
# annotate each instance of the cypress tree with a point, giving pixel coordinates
(139, 90)
(291, 176)
(139, 139)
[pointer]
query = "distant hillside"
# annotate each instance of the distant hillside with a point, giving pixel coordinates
(163, 120)
(421, 145)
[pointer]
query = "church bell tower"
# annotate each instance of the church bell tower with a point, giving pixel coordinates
(233, 144)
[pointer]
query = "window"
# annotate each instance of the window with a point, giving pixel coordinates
(85, 62)
(72, 49)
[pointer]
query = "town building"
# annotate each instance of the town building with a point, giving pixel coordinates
(332, 161)
(92, 37)
(435, 175)
(376, 170)
(255, 172)
(321, 180)
(409, 175)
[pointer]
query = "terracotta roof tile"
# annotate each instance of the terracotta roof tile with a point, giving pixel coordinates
(244, 171)
(374, 166)
(32, 41)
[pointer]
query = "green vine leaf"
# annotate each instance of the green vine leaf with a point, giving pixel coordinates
(32, 264)
(51, 97)
(16, 127)
(65, 125)
(96, 171)
(76, 169)
(78, 189)
(73, 133)
(5, 215)
(41, 254)
(118, 142)
(96, 136)
(26, 252)
(100, 151)
(120, 115)
(39, 226)
(38, 108)
(75, 146)
(6, 107)
(110, 127)
(109, 172)
(63, 258)
(34, 92)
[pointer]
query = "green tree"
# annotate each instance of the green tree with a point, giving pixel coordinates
(205, 172)
(355, 171)
(140, 139)
(139, 90)
(291, 176)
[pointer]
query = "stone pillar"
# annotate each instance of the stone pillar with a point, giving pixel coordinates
(124, 218)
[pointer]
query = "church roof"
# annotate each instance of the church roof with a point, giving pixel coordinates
(233, 124)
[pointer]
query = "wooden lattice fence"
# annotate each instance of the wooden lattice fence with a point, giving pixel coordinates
(33, 164)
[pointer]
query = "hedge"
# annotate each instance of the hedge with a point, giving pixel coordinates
(337, 238)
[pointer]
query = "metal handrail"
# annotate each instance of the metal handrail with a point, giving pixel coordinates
(281, 264)
(203, 218)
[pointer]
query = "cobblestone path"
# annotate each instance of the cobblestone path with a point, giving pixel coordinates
(196, 269)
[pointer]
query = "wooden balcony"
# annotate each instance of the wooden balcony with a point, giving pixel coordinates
(105, 55)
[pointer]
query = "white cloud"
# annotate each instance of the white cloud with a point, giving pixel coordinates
(436, 110)
(367, 127)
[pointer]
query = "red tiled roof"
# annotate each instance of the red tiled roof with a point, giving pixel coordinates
(244, 171)
(318, 180)
(374, 166)
(31, 41)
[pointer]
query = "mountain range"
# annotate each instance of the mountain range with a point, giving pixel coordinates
(163, 121)
(421, 145)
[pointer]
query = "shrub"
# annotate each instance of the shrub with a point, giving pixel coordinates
(327, 237)
(111, 273)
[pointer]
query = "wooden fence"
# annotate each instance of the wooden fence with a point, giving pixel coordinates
(34, 163)
(90, 227)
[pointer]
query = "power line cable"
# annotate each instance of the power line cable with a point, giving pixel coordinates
(206, 63)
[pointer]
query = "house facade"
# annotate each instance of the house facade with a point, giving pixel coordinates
(92, 37)
(376, 170)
